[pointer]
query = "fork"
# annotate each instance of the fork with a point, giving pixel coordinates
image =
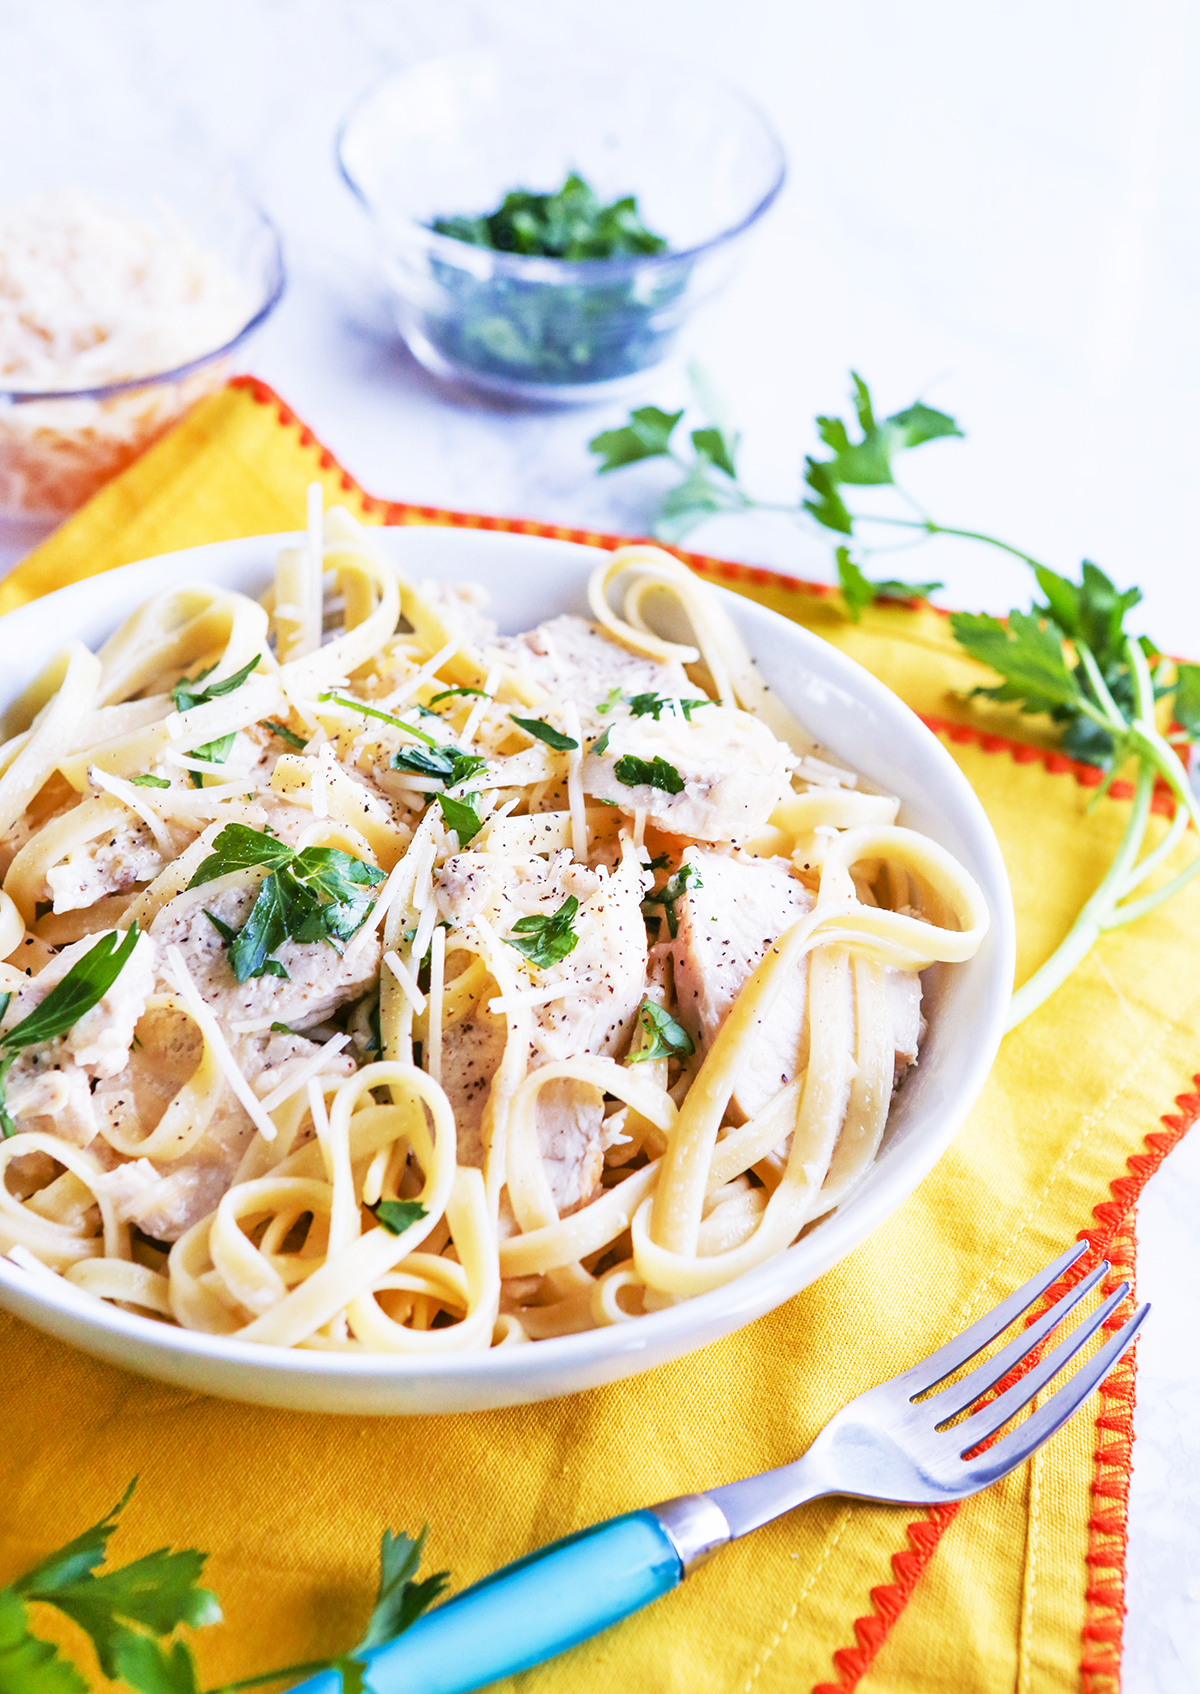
(889, 1444)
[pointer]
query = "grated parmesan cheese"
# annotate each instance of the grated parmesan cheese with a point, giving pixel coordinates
(91, 296)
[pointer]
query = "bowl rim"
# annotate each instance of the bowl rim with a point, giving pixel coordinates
(508, 1375)
(532, 267)
(276, 282)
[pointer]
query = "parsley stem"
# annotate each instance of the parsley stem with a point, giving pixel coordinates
(1088, 926)
(931, 528)
(1104, 910)
(264, 1677)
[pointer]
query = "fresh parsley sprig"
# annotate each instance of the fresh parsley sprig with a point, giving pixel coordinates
(318, 894)
(84, 986)
(544, 940)
(131, 1613)
(712, 483)
(1069, 656)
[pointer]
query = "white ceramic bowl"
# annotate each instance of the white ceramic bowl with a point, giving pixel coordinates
(844, 707)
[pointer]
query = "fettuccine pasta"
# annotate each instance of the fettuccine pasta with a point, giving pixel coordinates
(377, 982)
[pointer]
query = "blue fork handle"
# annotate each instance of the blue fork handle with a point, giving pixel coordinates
(526, 1612)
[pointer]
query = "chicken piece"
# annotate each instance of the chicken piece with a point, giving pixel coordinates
(604, 974)
(573, 659)
(471, 1053)
(728, 770)
(165, 1197)
(732, 911)
(53, 1082)
(318, 979)
(112, 864)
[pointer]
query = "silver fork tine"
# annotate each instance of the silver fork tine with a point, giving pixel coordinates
(960, 1395)
(947, 1359)
(1014, 1449)
(988, 1419)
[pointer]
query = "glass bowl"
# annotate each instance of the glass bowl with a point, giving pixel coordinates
(59, 445)
(453, 135)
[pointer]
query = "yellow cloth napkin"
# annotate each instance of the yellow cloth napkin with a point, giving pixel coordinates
(1017, 1589)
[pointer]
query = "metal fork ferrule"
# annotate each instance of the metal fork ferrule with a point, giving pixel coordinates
(697, 1526)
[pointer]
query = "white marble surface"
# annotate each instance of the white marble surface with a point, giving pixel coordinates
(996, 208)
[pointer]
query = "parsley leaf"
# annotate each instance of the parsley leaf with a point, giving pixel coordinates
(613, 700)
(545, 940)
(461, 816)
(858, 591)
(1027, 652)
(84, 986)
(647, 435)
(148, 781)
(600, 744)
(651, 773)
(542, 731)
(652, 705)
(1187, 699)
(226, 931)
(400, 1600)
(446, 764)
(186, 693)
(398, 1215)
(122, 1610)
(29, 1665)
(867, 462)
(319, 894)
(659, 1036)
(240, 848)
(284, 733)
(717, 447)
(685, 877)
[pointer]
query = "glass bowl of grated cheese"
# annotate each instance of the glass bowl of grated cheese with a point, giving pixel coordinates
(116, 316)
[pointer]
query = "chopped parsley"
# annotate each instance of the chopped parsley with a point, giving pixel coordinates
(148, 781)
(84, 986)
(461, 816)
(186, 694)
(398, 1215)
(284, 733)
(319, 894)
(600, 745)
(542, 731)
(546, 940)
(444, 764)
(459, 688)
(648, 773)
(652, 705)
(572, 224)
(612, 702)
(659, 1036)
(672, 891)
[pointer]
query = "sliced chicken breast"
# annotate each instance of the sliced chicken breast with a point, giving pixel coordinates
(603, 978)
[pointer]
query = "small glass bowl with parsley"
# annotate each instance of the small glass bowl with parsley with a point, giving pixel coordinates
(548, 223)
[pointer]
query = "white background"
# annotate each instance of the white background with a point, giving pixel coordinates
(996, 208)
